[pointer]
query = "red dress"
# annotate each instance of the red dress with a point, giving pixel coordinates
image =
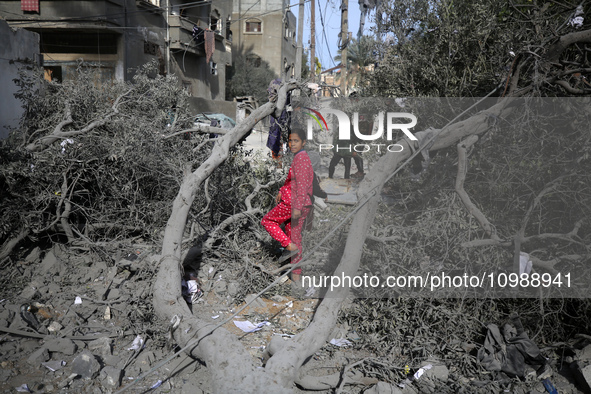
(296, 193)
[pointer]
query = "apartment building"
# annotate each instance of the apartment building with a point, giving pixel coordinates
(187, 38)
(265, 30)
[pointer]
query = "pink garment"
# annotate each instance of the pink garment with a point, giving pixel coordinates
(30, 5)
(295, 194)
(209, 37)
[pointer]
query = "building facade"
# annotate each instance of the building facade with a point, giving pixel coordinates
(265, 30)
(187, 38)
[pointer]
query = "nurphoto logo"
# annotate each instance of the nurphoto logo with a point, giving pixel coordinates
(359, 140)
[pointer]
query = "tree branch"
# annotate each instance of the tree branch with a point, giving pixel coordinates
(58, 133)
(460, 178)
(556, 49)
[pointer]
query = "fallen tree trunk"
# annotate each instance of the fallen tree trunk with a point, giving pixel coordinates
(227, 359)
(230, 364)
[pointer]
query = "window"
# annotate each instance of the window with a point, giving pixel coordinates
(53, 73)
(213, 68)
(215, 22)
(253, 26)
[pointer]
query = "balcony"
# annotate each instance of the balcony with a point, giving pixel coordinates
(181, 35)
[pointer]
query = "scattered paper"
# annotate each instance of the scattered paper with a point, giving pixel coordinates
(340, 342)
(215, 317)
(289, 304)
(78, 301)
(23, 389)
(137, 344)
(247, 326)
(54, 365)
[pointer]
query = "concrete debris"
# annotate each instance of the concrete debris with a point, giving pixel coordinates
(38, 356)
(111, 377)
(61, 345)
(86, 365)
(101, 346)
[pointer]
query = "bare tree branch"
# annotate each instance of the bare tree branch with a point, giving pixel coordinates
(460, 178)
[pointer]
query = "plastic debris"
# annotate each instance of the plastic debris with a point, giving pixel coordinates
(577, 20)
(525, 264)
(549, 386)
(78, 301)
(23, 389)
(247, 326)
(191, 291)
(289, 304)
(421, 371)
(215, 317)
(341, 342)
(54, 365)
(137, 344)
(66, 142)
(157, 384)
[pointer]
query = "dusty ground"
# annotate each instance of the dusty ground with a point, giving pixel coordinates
(114, 308)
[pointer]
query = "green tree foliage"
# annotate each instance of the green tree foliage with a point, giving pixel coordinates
(249, 76)
(116, 179)
(467, 48)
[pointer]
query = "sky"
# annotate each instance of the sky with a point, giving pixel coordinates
(327, 35)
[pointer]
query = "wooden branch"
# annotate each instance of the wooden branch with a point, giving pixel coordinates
(569, 89)
(460, 178)
(198, 128)
(12, 242)
(548, 188)
(333, 381)
(58, 133)
(250, 212)
(555, 50)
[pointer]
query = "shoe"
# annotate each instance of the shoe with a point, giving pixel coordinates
(358, 174)
(287, 254)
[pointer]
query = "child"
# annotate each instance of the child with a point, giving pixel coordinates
(293, 202)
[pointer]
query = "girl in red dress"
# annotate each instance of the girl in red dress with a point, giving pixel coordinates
(294, 202)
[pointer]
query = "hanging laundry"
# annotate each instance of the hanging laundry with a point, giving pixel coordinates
(209, 44)
(30, 5)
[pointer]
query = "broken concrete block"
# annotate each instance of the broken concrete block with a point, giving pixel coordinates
(101, 346)
(38, 356)
(86, 365)
(111, 377)
(61, 345)
(437, 372)
(112, 360)
(584, 355)
(48, 264)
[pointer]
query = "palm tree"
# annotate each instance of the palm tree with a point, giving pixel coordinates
(360, 55)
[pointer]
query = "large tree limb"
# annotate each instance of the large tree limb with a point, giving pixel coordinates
(564, 42)
(210, 347)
